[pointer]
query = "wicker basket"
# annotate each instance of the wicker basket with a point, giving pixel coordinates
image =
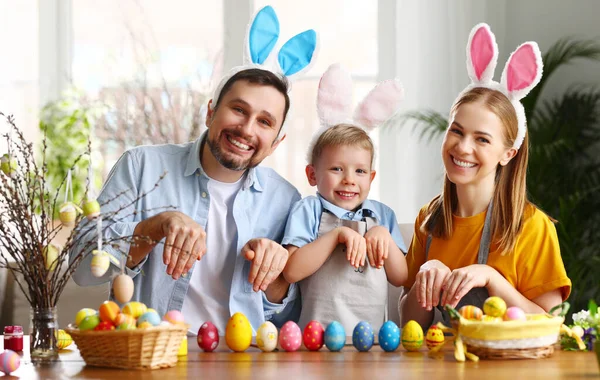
(150, 348)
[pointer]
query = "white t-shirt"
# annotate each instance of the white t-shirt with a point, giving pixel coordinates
(207, 298)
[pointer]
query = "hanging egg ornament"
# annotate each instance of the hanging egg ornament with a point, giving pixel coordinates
(238, 333)
(91, 208)
(9, 361)
(50, 253)
(63, 339)
(123, 288)
(363, 336)
(208, 337)
(290, 336)
(68, 213)
(8, 164)
(494, 306)
(100, 263)
(389, 336)
(335, 336)
(434, 337)
(412, 336)
(313, 336)
(267, 337)
(471, 312)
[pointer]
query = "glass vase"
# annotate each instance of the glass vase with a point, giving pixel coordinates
(43, 330)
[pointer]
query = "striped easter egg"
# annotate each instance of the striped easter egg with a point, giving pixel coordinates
(471, 312)
(9, 361)
(134, 308)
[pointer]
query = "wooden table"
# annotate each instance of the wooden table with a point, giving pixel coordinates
(348, 364)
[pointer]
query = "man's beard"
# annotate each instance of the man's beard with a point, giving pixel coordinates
(230, 163)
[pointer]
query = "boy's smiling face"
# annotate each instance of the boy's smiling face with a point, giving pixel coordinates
(343, 175)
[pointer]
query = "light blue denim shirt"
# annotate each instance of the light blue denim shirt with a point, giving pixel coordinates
(260, 210)
(303, 223)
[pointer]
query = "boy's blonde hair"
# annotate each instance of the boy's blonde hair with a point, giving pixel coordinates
(342, 135)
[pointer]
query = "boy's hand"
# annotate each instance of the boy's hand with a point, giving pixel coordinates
(378, 240)
(355, 246)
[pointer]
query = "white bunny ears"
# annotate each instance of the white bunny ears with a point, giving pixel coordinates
(291, 60)
(521, 74)
(334, 102)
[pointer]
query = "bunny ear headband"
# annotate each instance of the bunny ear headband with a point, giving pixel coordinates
(291, 60)
(334, 103)
(521, 74)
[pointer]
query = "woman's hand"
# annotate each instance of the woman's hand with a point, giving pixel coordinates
(462, 280)
(428, 283)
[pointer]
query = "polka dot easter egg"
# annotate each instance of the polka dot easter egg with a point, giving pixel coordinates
(412, 336)
(514, 313)
(494, 306)
(174, 317)
(363, 336)
(389, 336)
(290, 336)
(208, 337)
(108, 311)
(471, 312)
(82, 314)
(335, 336)
(313, 336)
(9, 361)
(434, 337)
(267, 337)
(238, 333)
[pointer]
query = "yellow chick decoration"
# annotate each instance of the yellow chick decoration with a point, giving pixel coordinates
(68, 212)
(412, 336)
(238, 333)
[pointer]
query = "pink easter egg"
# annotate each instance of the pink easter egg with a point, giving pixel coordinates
(174, 316)
(514, 313)
(9, 361)
(290, 336)
(208, 337)
(313, 336)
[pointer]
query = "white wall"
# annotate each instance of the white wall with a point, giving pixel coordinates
(431, 37)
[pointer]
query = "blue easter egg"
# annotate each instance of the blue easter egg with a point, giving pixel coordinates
(335, 336)
(363, 336)
(150, 316)
(389, 336)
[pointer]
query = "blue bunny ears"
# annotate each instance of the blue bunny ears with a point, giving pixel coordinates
(293, 59)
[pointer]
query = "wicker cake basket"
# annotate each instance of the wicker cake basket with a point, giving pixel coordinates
(530, 339)
(149, 348)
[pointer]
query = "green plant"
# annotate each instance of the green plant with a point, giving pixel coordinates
(564, 166)
(67, 125)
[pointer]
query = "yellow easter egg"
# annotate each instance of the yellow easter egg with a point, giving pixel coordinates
(490, 319)
(63, 340)
(471, 312)
(412, 336)
(134, 308)
(144, 325)
(68, 213)
(494, 306)
(81, 314)
(434, 337)
(238, 333)
(100, 263)
(50, 253)
(123, 288)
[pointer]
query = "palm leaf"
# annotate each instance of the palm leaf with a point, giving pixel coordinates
(432, 123)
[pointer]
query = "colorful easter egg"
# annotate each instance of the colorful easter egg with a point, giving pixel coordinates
(100, 263)
(267, 337)
(238, 333)
(91, 208)
(494, 306)
(335, 336)
(490, 319)
(82, 314)
(471, 312)
(104, 326)
(434, 337)
(134, 308)
(290, 336)
(68, 213)
(175, 317)
(313, 336)
(108, 311)
(363, 336)
(63, 339)
(9, 361)
(123, 288)
(515, 313)
(412, 336)
(124, 318)
(144, 325)
(151, 317)
(50, 253)
(8, 164)
(389, 336)
(208, 337)
(126, 326)
(89, 323)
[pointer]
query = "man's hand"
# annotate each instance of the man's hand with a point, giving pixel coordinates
(268, 261)
(185, 243)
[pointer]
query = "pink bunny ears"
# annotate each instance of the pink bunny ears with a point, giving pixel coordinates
(521, 74)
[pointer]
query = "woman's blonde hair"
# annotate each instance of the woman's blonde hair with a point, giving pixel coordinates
(342, 135)
(510, 194)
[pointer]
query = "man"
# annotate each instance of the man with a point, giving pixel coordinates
(221, 246)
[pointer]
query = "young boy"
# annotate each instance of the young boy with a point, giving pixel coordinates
(344, 248)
